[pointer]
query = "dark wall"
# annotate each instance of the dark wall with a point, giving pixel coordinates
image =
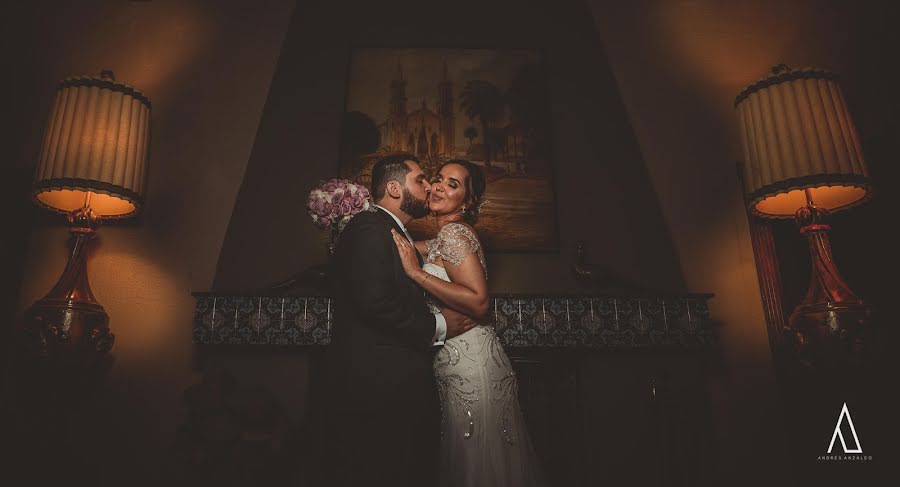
(15, 198)
(604, 193)
(604, 196)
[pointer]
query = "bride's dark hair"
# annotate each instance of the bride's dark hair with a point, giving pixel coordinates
(475, 185)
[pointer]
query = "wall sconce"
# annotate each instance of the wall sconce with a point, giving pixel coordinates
(92, 167)
(803, 160)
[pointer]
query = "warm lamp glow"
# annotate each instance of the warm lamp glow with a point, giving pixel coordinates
(802, 159)
(797, 135)
(759, 34)
(92, 165)
(70, 200)
(785, 205)
(95, 144)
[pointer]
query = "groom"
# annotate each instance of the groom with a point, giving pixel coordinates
(382, 414)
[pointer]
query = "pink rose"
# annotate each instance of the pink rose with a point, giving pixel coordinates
(336, 201)
(359, 202)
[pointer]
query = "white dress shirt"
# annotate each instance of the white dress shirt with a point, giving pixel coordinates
(440, 323)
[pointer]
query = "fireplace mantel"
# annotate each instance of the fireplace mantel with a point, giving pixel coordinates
(591, 322)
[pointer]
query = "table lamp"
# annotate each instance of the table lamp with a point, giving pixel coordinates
(803, 160)
(92, 167)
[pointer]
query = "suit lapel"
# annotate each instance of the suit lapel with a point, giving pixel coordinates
(393, 223)
(390, 220)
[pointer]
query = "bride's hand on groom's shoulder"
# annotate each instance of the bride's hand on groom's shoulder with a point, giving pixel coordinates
(408, 257)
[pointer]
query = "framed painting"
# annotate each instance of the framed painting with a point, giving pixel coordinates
(488, 106)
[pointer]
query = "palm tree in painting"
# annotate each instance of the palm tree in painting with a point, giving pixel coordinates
(470, 133)
(482, 100)
(526, 100)
(359, 136)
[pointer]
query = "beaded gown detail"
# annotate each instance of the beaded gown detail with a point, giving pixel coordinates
(484, 439)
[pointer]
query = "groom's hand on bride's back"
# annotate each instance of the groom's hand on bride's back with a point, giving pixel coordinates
(457, 323)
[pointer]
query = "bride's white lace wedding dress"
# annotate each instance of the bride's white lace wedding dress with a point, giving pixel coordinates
(484, 440)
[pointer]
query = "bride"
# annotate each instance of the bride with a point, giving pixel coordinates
(484, 441)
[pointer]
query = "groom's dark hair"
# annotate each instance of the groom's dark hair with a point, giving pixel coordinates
(390, 168)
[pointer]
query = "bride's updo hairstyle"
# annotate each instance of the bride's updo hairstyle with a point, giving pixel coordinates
(475, 185)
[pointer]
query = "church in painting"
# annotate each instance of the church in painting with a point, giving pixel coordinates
(423, 132)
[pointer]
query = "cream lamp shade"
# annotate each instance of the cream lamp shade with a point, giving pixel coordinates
(797, 135)
(95, 148)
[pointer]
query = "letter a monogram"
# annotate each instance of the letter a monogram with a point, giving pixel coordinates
(837, 433)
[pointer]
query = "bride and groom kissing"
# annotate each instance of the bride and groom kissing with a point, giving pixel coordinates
(416, 387)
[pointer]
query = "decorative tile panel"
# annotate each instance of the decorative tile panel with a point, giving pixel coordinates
(262, 320)
(521, 321)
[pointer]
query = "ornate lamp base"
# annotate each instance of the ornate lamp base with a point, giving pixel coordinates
(62, 357)
(71, 333)
(830, 335)
(831, 327)
(68, 327)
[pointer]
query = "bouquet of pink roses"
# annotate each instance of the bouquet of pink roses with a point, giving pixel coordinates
(335, 202)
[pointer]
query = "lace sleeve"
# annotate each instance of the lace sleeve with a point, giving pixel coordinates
(456, 241)
(432, 249)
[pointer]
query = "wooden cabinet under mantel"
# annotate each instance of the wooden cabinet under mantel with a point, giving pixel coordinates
(613, 386)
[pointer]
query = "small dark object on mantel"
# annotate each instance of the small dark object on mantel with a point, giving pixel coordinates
(581, 268)
(589, 277)
(313, 279)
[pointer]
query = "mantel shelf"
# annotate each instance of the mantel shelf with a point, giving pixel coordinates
(521, 321)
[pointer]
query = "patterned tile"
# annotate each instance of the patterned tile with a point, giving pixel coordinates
(525, 322)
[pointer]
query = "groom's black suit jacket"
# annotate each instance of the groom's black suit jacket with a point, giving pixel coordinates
(382, 415)
(379, 304)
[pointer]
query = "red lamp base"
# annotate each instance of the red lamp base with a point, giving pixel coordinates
(831, 327)
(68, 327)
(830, 335)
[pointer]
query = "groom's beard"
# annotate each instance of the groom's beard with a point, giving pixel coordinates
(413, 206)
